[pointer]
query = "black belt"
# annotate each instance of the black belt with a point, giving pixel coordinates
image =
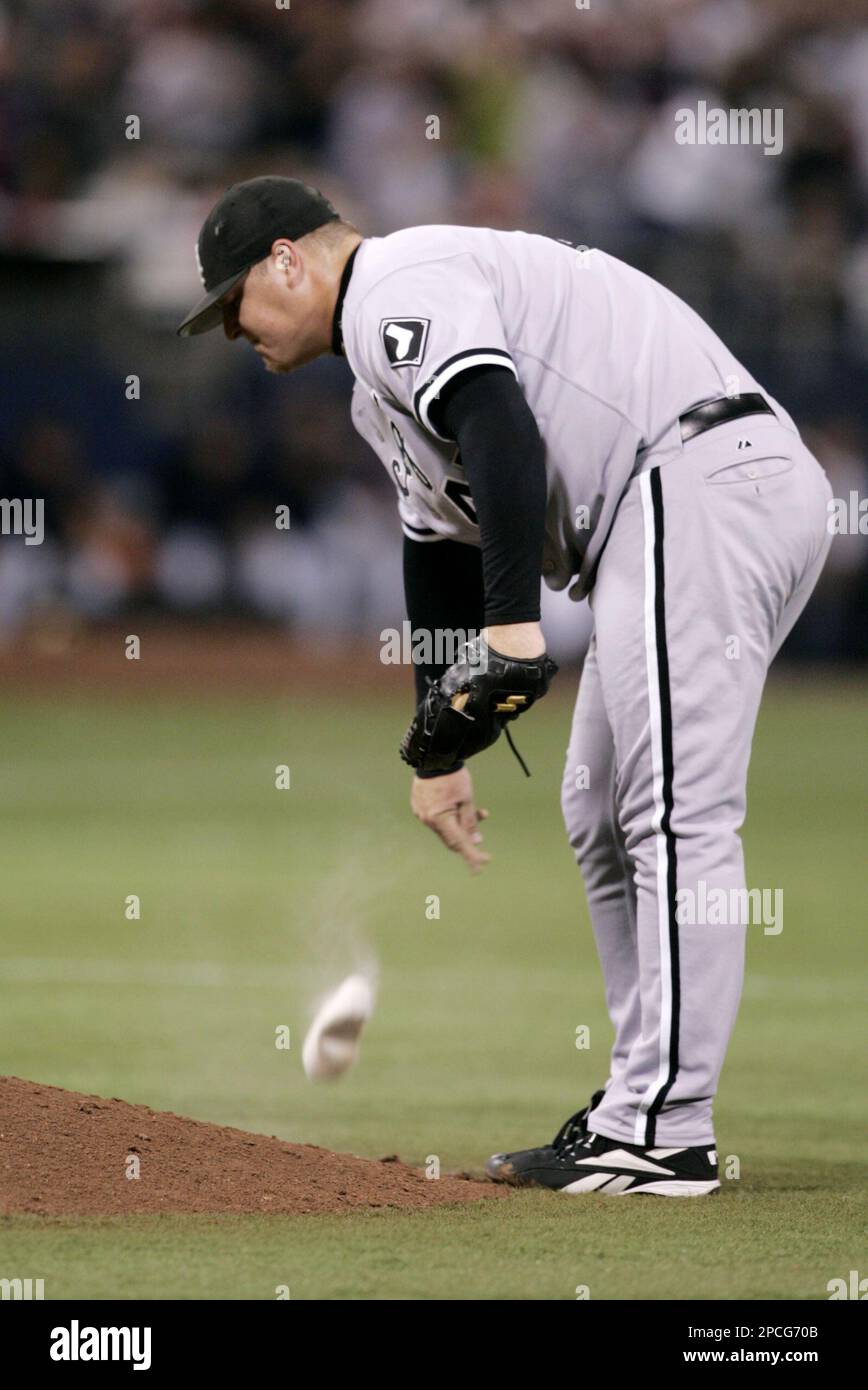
(705, 417)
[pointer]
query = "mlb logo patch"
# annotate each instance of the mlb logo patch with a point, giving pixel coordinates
(404, 340)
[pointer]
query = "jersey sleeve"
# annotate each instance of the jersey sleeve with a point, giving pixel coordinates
(422, 325)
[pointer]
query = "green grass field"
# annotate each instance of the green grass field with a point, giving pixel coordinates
(252, 899)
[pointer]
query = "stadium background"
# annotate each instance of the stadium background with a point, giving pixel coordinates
(551, 118)
(156, 777)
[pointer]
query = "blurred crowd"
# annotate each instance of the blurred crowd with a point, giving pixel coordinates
(162, 461)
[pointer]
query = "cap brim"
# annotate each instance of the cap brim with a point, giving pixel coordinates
(208, 313)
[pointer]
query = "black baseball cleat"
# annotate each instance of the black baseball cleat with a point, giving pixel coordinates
(502, 1167)
(597, 1164)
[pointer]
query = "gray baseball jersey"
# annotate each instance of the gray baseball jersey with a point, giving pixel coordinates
(699, 555)
(608, 360)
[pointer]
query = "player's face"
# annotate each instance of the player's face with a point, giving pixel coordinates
(274, 308)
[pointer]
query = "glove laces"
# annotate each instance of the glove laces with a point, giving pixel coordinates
(524, 767)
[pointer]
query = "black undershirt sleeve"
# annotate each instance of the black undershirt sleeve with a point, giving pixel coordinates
(452, 586)
(485, 411)
(443, 591)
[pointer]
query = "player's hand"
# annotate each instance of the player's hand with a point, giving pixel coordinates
(446, 806)
(475, 699)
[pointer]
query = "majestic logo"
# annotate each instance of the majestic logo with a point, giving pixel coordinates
(404, 340)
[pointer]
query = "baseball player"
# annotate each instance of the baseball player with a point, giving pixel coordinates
(547, 409)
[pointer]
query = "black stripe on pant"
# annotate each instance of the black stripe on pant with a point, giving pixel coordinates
(666, 820)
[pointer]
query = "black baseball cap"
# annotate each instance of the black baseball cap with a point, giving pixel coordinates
(241, 229)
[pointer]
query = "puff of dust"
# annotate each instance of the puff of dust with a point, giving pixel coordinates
(338, 941)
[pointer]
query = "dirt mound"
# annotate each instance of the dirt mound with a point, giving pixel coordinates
(67, 1154)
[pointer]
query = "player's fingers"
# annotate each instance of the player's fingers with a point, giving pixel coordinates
(477, 865)
(448, 826)
(468, 820)
(475, 859)
(452, 833)
(478, 816)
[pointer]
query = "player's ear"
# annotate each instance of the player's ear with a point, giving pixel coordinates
(286, 261)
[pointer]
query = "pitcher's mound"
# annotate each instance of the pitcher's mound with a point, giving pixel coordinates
(67, 1154)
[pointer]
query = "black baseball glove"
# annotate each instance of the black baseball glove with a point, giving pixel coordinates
(466, 710)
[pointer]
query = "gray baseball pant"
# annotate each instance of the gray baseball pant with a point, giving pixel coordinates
(713, 554)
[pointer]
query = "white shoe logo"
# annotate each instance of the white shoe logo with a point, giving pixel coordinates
(621, 1159)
